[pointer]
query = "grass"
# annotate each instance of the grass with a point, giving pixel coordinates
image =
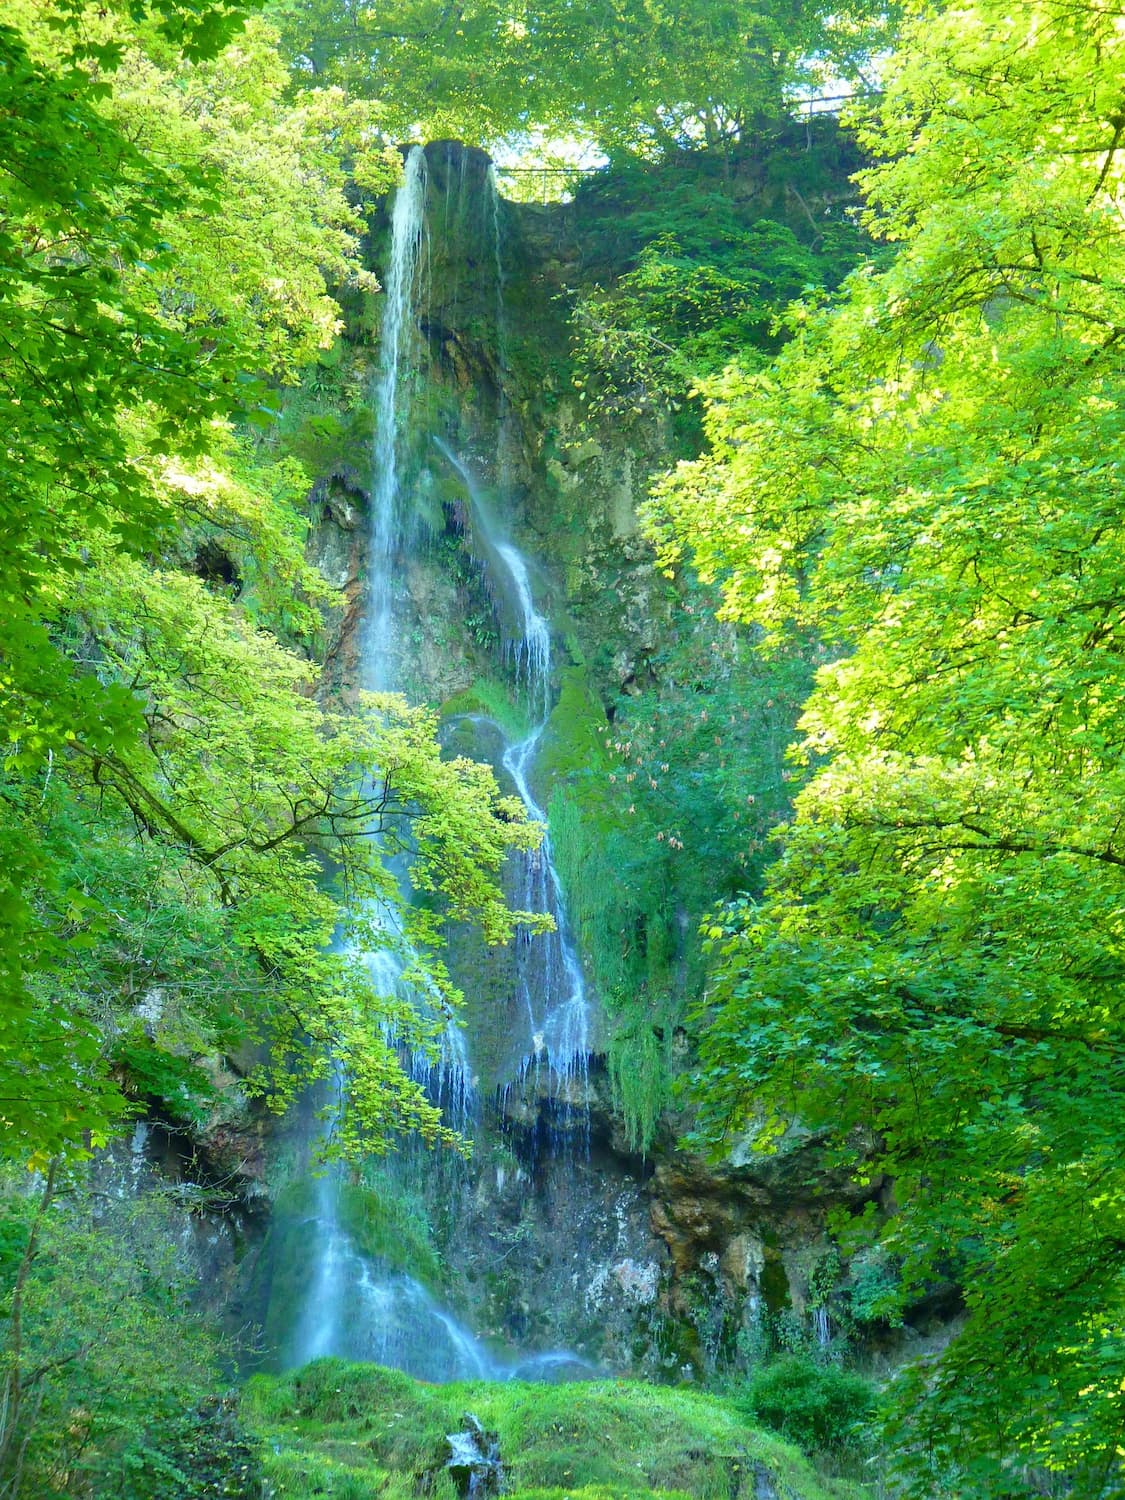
(350, 1432)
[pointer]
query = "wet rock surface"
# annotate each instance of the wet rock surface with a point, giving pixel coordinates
(556, 1241)
(556, 1236)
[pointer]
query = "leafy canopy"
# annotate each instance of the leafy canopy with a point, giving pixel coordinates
(929, 475)
(627, 74)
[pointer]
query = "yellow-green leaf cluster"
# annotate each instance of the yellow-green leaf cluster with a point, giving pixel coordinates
(930, 476)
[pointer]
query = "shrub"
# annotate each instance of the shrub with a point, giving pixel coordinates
(814, 1406)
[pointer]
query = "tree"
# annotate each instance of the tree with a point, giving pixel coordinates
(170, 220)
(702, 274)
(238, 776)
(627, 74)
(103, 1354)
(929, 476)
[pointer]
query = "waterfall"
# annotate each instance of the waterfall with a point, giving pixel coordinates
(448, 1078)
(391, 411)
(349, 1308)
(351, 1304)
(449, 1075)
(552, 987)
(319, 1322)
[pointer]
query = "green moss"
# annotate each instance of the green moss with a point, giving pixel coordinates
(774, 1284)
(344, 1427)
(676, 1341)
(573, 648)
(387, 1225)
(573, 740)
(489, 696)
(593, 1492)
(592, 856)
(617, 897)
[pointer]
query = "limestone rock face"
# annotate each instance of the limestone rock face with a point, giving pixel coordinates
(209, 1183)
(557, 1241)
(556, 1236)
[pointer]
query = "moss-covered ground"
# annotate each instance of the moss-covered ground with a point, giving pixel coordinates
(350, 1432)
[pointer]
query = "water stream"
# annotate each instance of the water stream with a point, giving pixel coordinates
(552, 986)
(378, 660)
(350, 1304)
(349, 1308)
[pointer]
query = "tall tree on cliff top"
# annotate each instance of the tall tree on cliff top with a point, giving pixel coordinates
(931, 475)
(638, 75)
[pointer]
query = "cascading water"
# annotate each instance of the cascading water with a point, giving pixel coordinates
(378, 665)
(448, 1075)
(353, 1304)
(552, 987)
(349, 1308)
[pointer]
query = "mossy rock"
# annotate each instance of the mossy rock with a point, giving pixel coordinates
(357, 1430)
(488, 698)
(574, 739)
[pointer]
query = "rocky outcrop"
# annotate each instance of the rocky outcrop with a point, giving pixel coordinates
(557, 1235)
(206, 1185)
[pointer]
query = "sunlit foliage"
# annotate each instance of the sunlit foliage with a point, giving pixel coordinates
(635, 75)
(171, 217)
(930, 477)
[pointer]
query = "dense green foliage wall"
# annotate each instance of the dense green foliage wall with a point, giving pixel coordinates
(669, 810)
(929, 476)
(185, 832)
(105, 1357)
(637, 76)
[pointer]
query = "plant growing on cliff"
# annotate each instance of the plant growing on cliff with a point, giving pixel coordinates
(929, 476)
(699, 269)
(673, 807)
(819, 1407)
